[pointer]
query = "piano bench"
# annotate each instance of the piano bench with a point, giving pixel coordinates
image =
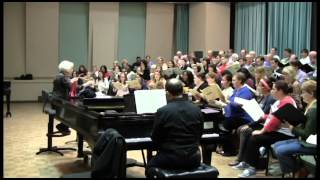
(203, 171)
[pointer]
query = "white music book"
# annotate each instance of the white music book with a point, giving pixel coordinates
(312, 139)
(149, 101)
(251, 107)
(241, 100)
(305, 60)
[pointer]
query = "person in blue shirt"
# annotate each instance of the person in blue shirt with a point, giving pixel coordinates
(235, 116)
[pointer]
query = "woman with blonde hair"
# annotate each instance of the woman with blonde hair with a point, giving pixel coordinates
(260, 73)
(286, 149)
(289, 75)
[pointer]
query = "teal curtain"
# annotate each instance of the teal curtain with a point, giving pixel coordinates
(132, 30)
(289, 26)
(182, 28)
(250, 27)
(73, 32)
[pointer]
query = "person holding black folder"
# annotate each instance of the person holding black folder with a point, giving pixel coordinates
(285, 149)
(272, 131)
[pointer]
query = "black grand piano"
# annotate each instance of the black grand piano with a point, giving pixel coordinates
(91, 117)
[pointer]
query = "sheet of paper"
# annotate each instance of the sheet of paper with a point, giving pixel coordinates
(209, 111)
(211, 93)
(234, 68)
(100, 95)
(134, 84)
(312, 139)
(135, 140)
(193, 92)
(305, 60)
(207, 125)
(117, 85)
(253, 109)
(241, 100)
(209, 135)
(149, 101)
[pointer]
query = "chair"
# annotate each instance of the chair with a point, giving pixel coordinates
(47, 108)
(203, 171)
(308, 160)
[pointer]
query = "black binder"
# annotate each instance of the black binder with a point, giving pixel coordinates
(307, 68)
(290, 114)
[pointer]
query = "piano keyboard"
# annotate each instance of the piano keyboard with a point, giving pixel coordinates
(148, 139)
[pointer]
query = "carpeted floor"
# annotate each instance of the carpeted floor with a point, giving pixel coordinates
(25, 132)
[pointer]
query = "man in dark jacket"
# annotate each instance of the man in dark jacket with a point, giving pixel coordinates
(61, 87)
(177, 131)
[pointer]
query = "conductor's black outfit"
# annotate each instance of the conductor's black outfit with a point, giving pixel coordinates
(61, 88)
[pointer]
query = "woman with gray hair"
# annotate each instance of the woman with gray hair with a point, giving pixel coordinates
(62, 82)
(62, 85)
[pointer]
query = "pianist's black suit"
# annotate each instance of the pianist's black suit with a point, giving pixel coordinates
(176, 133)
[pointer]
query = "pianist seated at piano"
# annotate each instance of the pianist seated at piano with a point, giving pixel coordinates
(177, 131)
(62, 85)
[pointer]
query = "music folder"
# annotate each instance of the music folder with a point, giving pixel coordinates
(307, 68)
(290, 114)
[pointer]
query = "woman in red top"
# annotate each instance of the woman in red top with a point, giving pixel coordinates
(271, 132)
(104, 71)
(223, 65)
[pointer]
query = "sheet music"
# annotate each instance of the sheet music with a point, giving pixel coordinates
(207, 125)
(149, 101)
(241, 100)
(133, 140)
(211, 92)
(305, 60)
(312, 139)
(251, 107)
(209, 135)
(209, 110)
(254, 110)
(100, 95)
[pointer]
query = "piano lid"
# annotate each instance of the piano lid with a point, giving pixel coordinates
(108, 100)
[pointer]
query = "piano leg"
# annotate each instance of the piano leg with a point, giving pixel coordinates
(8, 105)
(149, 154)
(207, 153)
(144, 159)
(80, 145)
